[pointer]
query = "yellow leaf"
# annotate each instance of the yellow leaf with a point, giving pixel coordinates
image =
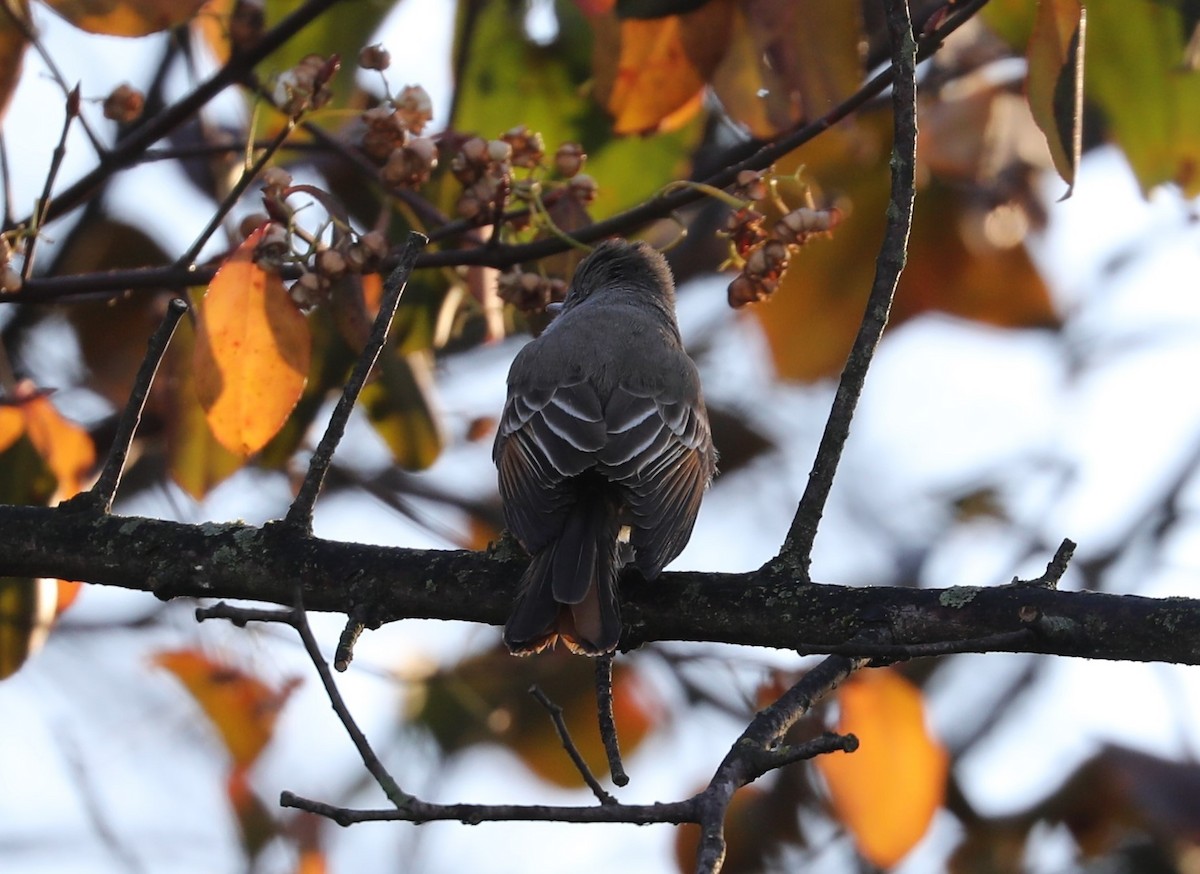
(197, 462)
(126, 17)
(1054, 83)
(26, 613)
(887, 792)
(242, 708)
(66, 447)
(253, 349)
(12, 426)
(662, 67)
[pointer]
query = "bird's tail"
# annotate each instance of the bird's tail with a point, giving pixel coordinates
(570, 588)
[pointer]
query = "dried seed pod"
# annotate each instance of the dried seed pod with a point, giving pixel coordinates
(385, 132)
(528, 148)
(569, 159)
(745, 230)
(308, 291)
(274, 248)
(330, 264)
(374, 57)
(414, 107)
(798, 225)
(751, 185)
(124, 104)
(583, 188)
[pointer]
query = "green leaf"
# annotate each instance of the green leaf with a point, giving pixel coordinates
(507, 79)
(26, 612)
(401, 407)
(1054, 83)
(1149, 97)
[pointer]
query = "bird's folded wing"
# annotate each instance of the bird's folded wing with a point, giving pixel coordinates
(660, 450)
(547, 435)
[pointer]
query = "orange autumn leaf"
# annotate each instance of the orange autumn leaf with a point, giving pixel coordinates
(66, 447)
(312, 861)
(242, 708)
(67, 592)
(252, 353)
(886, 792)
(126, 17)
(662, 67)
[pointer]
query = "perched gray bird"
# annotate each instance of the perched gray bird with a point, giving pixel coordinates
(604, 450)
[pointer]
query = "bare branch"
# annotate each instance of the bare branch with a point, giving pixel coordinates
(760, 608)
(560, 726)
(796, 553)
(129, 150)
(297, 617)
(42, 209)
(608, 725)
(300, 513)
(101, 494)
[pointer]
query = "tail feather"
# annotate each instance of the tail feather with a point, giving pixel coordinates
(569, 590)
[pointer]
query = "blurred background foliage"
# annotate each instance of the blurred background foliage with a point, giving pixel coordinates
(653, 92)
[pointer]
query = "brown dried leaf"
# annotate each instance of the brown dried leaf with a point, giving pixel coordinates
(1054, 83)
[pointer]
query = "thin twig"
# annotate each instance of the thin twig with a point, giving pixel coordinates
(1054, 570)
(249, 174)
(827, 743)
(666, 813)
(344, 654)
(300, 513)
(297, 617)
(751, 754)
(43, 204)
(560, 726)
(29, 33)
(608, 725)
(796, 552)
(8, 194)
(104, 490)
(386, 781)
(129, 150)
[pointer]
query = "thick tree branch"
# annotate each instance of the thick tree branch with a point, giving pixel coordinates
(381, 584)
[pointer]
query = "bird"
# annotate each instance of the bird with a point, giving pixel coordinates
(603, 450)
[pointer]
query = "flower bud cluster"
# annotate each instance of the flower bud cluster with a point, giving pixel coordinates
(391, 137)
(530, 292)
(764, 255)
(124, 104)
(321, 264)
(306, 85)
